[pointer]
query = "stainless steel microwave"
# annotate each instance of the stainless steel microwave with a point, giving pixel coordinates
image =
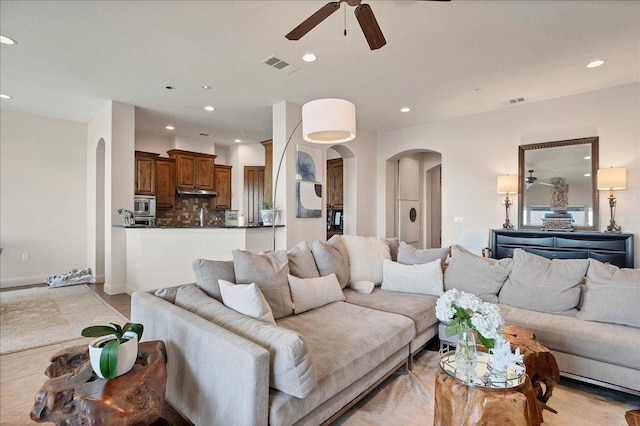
(144, 206)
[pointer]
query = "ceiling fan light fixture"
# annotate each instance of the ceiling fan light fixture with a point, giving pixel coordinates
(329, 121)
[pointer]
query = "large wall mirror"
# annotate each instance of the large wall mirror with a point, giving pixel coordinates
(558, 179)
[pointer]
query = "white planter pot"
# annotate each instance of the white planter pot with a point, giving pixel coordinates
(267, 217)
(127, 353)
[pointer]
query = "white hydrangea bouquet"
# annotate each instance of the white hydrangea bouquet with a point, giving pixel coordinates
(459, 309)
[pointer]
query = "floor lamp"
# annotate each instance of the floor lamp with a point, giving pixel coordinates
(507, 184)
(324, 121)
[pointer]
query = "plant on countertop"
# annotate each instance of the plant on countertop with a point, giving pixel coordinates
(464, 310)
(267, 205)
(108, 364)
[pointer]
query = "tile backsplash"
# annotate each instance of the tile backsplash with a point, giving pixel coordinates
(186, 212)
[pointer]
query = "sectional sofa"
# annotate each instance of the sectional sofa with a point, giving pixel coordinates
(333, 320)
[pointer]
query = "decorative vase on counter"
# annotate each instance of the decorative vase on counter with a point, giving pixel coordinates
(466, 353)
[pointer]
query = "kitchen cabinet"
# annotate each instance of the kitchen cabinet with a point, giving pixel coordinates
(145, 173)
(222, 175)
(165, 183)
(335, 183)
(193, 170)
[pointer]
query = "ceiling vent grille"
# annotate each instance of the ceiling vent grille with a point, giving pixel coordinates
(516, 100)
(280, 65)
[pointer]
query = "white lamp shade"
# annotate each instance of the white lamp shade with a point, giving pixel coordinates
(612, 178)
(329, 121)
(507, 184)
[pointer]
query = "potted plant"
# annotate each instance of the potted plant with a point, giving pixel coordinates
(115, 350)
(267, 213)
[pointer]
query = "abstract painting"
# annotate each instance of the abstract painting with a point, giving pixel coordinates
(309, 164)
(308, 199)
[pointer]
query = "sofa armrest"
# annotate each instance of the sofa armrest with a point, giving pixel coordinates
(213, 375)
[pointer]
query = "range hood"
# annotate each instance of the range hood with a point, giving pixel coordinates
(196, 193)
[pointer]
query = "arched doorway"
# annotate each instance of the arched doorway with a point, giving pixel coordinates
(100, 211)
(413, 185)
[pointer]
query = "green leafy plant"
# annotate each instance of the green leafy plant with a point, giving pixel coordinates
(267, 205)
(109, 355)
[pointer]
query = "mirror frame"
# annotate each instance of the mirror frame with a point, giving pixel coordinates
(522, 149)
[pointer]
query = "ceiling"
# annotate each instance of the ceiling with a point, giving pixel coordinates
(441, 59)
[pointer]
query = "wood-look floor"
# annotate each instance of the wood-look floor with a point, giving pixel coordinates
(22, 373)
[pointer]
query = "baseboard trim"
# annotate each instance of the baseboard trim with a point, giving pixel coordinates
(23, 281)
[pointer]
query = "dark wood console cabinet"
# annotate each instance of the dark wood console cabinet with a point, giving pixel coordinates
(616, 249)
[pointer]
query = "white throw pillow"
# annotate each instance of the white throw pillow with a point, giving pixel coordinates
(423, 278)
(366, 255)
(364, 287)
(246, 299)
(611, 294)
(311, 293)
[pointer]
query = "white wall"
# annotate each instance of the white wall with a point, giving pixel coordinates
(199, 144)
(42, 190)
(240, 156)
(476, 149)
(153, 143)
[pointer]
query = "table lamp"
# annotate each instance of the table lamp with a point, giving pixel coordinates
(609, 180)
(507, 184)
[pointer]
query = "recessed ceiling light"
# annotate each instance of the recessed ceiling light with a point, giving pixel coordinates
(237, 141)
(206, 87)
(170, 127)
(309, 57)
(587, 174)
(209, 108)
(405, 109)
(7, 40)
(588, 157)
(595, 64)
(3, 96)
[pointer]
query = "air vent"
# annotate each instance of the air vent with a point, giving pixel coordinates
(279, 64)
(515, 101)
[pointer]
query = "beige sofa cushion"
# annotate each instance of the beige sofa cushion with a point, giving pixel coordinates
(208, 272)
(410, 255)
(269, 272)
(419, 279)
(366, 255)
(609, 343)
(475, 274)
(611, 295)
(311, 293)
(246, 299)
(301, 262)
(291, 371)
(332, 258)
(544, 285)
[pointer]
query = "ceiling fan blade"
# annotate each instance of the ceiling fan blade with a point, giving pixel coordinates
(370, 27)
(310, 23)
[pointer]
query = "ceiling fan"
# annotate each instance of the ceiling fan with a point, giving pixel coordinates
(363, 12)
(531, 180)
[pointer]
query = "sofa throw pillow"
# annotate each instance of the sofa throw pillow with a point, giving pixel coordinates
(539, 284)
(169, 293)
(291, 367)
(366, 255)
(475, 274)
(409, 255)
(208, 272)
(246, 299)
(269, 272)
(393, 243)
(364, 287)
(332, 258)
(424, 278)
(611, 294)
(301, 262)
(311, 293)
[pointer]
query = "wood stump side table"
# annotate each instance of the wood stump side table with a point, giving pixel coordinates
(75, 395)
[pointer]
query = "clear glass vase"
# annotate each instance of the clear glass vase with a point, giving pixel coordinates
(466, 354)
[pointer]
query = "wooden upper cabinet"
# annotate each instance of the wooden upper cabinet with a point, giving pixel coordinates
(223, 187)
(165, 183)
(193, 170)
(335, 183)
(145, 173)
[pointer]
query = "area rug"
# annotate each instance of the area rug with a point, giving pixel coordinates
(407, 399)
(42, 316)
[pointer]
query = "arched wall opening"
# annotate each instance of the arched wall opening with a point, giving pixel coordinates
(349, 186)
(100, 211)
(413, 185)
